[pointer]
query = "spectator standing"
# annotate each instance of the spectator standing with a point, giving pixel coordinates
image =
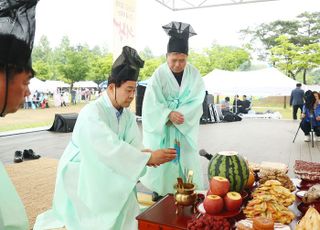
(296, 100)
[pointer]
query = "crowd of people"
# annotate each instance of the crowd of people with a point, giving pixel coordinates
(239, 106)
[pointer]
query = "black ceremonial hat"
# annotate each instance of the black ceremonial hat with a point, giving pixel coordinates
(127, 66)
(17, 29)
(179, 33)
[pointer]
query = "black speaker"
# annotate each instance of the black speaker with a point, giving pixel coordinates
(139, 99)
(64, 122)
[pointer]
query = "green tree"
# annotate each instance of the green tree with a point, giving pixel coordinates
(219, 57)
(42, 57)
(146, 54)
(261, 39)
(150, 66)
(75, 66)
(100, 67)
(292, 59)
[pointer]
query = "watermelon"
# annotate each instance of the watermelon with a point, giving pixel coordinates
(231, 165)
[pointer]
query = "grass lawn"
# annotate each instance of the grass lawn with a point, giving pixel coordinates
(29, 118)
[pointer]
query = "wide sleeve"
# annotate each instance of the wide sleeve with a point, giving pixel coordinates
(191, 107)
(98, 144)
(155, 109)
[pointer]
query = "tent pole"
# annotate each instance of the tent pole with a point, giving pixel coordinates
(285, 102)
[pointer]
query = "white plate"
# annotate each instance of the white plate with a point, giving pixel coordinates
(277, 226)
(301, 193)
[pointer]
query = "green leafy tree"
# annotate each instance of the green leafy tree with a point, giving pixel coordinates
(100, 68)
(42, 70)
(200, 61)
(219, 57)
(150, 66)
(75, 66)
(146, 54)
(292, 59)
(42, 57)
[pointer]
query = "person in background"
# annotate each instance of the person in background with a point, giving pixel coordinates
(171, 111)
(296, 100)
(17, 28)
(311, 116)
(99, 169)
(246, 105)
(237, 105)
(225, 105)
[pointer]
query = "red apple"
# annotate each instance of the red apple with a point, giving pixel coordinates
(233, 201)
(219, 185)
(213, 204)
(209, 193)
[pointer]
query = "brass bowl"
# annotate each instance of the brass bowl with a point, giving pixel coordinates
(188, 188)
(185, 195)
(185, 199)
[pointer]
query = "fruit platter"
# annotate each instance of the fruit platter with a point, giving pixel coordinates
(271, 200)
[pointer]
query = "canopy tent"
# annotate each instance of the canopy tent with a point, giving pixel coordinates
(37, 85)
(176, 5)
(85, 84)
(103, 85)
(52, 86)
(311, 87)
(264, 82)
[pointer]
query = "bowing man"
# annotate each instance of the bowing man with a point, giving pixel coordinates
(99, 169)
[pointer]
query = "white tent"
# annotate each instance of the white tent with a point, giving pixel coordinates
(52, 86)
(264, 82)
(37, 85)
(85, 84)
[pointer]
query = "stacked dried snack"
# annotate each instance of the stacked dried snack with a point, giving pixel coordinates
(276, 174)
(271, 200)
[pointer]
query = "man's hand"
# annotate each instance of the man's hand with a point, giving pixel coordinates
(176, 118)
(161, 156)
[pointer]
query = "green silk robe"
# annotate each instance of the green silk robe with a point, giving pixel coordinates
(12, 213)
(98, 172)
(163, 95)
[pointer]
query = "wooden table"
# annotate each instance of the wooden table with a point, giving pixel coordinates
(162, 216)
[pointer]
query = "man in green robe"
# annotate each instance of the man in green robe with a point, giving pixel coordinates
(98, 171)
(17, 24)
(171, 111)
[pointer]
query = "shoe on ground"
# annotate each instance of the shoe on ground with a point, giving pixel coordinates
(307, 138)
(156, 197)
(29, 154)
(18, 157)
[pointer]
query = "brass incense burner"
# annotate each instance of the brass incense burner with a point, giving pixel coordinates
(185, 196)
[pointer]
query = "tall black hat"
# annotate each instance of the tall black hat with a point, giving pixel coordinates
(127, 66)
(179, 33)
(17, 29)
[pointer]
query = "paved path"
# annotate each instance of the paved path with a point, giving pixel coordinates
(257, 139)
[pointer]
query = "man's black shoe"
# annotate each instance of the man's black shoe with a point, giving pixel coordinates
(156, 197)
(18, 157)
(29, 154)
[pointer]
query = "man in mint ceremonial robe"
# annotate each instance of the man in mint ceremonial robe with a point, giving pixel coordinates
(17, 28)
(98, 171)
(171, 111)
